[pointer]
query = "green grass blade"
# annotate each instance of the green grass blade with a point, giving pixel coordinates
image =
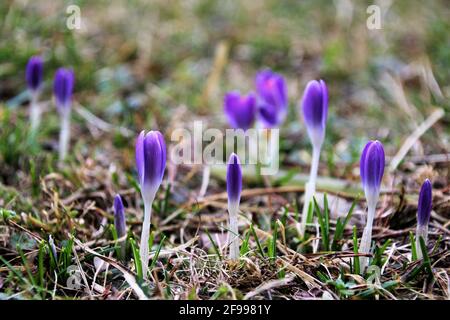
(155, 258)
(213, 243)
(413, 246)
(355, 250)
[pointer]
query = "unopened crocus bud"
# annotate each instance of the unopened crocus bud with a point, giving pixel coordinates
(315, 110)
(63, 88)
(372, 169)
(150, 163)
(423, 215)
(150, 160)
(234, 179)
(234, 188)
(119, 217)
(425, 204)
(120, 224)
(34, 73)
(240, 110)
(273, 101)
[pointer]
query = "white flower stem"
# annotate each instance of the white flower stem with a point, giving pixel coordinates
(205, 180)
(64, 135)
(233, 233)
(366, 239)
(35, 112)
(421, 231)
(310, 186)
(145, 235)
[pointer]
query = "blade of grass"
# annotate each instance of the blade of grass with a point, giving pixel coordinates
(355, 250)
(413, 246)
(323, 228)
(215, 247)
(426, 257)
(340, 227)
(155, 258)
(258, 244)
(137, 258)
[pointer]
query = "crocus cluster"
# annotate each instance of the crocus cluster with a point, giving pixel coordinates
(269, 104)
(371, 171)
(234, 188)
(63, 89)
(150, 163)
(273, 101)
(315, 109)
(423, 215)
(34, 77)
(120, 223)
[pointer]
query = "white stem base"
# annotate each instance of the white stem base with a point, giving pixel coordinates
(205, 181)
(64, 136)
(421, 231)
(144, 251)
(310, 188)
(35, 113)
(366, 239)
(233, 233)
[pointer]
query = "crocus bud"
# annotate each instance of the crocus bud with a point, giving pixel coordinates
(63, 88)
(234, 179)
(240, 110)
(150, 160)
(273, 104)
(119, 217)
(423, 215)
(372, 168)
(234, 188)
(425, 203)
(151, 163)
(315, 110)
(34, 73)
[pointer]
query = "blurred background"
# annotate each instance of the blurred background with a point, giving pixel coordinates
(162, 64)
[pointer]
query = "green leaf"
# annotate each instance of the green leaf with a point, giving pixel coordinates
(355, 250)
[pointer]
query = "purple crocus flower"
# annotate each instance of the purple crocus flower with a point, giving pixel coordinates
(63, 88)
(151, 163)
(119, 217)
(234, 179)
(423, 215)
(425, 204)
(372, 170)
(34, 73)
(150, 159)
(372, 167)
(272, 91)
(315, 110)
(240, 109)
(234, 188)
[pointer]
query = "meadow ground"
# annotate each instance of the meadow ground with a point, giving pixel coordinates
(162, 65)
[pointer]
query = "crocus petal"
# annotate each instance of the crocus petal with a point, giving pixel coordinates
(315, 109)
(119, 216)
(271, 89)
(268, 115)
(234, 178)
(372, 166)
(154, 159)
(63, 88)
(34, 72)
(140, 157)
(240, 110)
(425, 203)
